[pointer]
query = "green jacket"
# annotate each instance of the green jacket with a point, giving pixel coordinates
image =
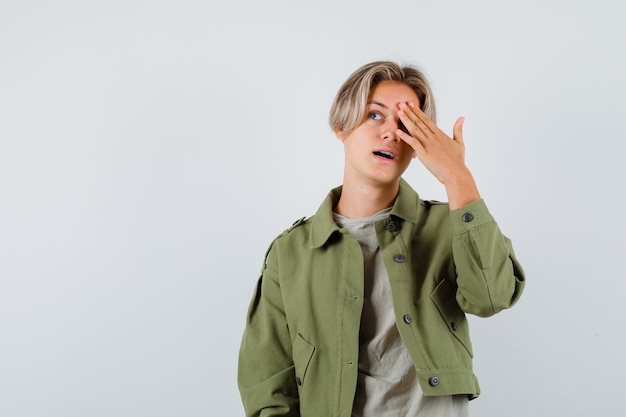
(300, 347)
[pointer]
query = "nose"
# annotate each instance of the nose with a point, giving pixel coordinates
(389, 129)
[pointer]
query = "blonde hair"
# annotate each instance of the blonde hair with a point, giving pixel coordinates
(348, 109)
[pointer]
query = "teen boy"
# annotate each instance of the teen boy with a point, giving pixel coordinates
(360, 309)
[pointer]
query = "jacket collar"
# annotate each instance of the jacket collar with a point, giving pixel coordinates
(406, 207)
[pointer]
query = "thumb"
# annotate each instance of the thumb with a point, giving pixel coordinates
(457, 131)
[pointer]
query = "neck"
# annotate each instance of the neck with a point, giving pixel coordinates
(365, 200)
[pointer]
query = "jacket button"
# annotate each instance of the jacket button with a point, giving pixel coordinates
(298, 381)
(433, 381)
(400, 258)
(454, 326)
(392, 226)
(467, 217)
(407, 319)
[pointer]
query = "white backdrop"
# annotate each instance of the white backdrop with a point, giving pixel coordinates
(150, 151)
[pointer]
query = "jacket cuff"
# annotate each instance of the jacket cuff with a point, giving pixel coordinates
(470, 216)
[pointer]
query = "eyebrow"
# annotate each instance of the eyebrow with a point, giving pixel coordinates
(378, 103)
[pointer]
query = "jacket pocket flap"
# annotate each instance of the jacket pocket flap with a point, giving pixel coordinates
(302, 354)
(444, 298)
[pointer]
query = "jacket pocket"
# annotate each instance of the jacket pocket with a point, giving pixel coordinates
(445, 299)
(302, 354)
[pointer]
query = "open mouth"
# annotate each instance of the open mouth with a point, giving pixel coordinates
(384, 154)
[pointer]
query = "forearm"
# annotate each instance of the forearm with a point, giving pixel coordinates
(489, 276)
(266, 375)
(461, 189)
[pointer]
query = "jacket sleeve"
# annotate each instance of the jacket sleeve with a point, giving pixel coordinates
(489, 276)
(266, 373)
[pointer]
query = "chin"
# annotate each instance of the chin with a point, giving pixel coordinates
(386, 181)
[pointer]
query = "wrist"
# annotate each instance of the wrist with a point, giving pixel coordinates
(461, 190)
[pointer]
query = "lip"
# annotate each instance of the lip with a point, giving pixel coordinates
(391, 151)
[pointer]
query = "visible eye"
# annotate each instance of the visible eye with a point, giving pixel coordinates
(374, 115)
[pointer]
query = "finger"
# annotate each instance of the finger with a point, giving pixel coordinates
(412, 121)
(457, 131)
(423, 117)
(414, 143)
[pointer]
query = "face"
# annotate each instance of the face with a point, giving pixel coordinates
(374, 153)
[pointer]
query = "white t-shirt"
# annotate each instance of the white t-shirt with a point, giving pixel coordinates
(387, 384)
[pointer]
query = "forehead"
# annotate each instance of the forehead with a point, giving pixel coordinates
(391, 94)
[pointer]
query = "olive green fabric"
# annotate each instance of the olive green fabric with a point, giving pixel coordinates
(299, 351)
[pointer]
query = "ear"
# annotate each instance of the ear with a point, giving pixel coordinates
(339, 135)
